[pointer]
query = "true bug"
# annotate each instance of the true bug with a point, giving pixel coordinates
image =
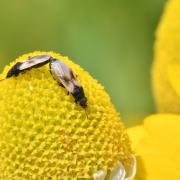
(66, 78)
(60, 72)
(32, 62)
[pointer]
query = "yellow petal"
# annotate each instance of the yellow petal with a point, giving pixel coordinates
(157, 145)
(165, 71)
(137, 134)
(173, 74)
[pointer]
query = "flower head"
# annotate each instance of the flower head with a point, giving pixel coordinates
(44, 133)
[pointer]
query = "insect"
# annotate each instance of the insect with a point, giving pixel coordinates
(66, 78)
(32, 62)
(60, 72)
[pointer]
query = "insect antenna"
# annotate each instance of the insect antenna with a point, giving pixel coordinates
(86, 114)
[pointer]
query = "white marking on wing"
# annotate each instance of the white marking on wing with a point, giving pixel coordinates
(33, 61)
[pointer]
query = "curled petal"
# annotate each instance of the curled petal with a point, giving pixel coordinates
(119, 172)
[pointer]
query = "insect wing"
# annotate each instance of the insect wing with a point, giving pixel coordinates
(67, 74)
(63, 74)
(34, 61)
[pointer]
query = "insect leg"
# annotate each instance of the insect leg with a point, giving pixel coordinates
(2, 79)
(60, 84)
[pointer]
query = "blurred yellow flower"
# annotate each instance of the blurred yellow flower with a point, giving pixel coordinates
(45, 134)
(157, 146)
(166, 67)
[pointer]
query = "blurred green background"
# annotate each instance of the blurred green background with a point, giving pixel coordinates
(113, 40)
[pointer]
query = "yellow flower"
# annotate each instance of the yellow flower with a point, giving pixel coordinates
(157, 146)
(45, 134)
(166, 68)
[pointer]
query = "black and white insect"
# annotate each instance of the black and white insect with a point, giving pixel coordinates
(60, 72)
(32, 62)
(66, 78)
